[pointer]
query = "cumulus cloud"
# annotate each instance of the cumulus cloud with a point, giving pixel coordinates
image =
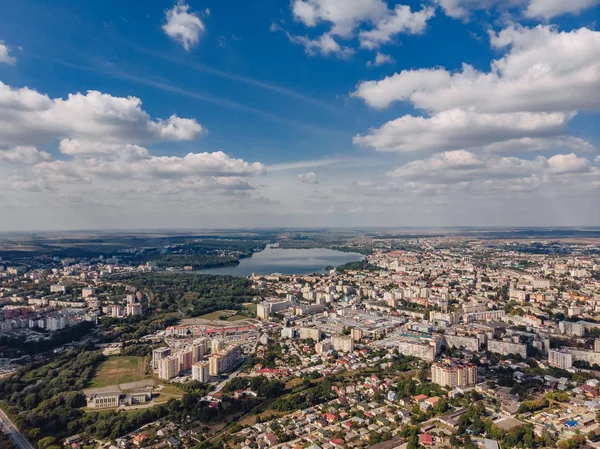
(31, 117)
(343, 15)
(456, 129)
(309, 178)
(545, 9)
(529, 144)
(374, 22)
(183, 26)
(193, 165)
(324, 45)
(23, 155)
(401, 20)
(453, 167)
(102, 151)
(86, 148)
(543, 70)
(5, 56)
(548, 9)
(380, 59)
(462, 9)
(568, 163)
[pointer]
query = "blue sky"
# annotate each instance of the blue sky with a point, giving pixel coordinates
(301, 113)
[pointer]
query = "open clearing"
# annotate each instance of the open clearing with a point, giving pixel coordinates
(214, 316)
(120, 370)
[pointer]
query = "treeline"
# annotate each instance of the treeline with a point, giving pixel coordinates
(134, 328)
(316, 395)
(361, 265)
(68, 335)
(46, 399)
(193, 294)
(5, 442)
(47, 402)
(261, 385)
(199, 254)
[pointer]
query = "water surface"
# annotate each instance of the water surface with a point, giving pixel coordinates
(287, 261)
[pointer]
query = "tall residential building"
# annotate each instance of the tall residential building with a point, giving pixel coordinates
(453, 375)
(343, 344)
(87, 292)
(201, 372)
(134, 309)
(198, 351)
(310, 332)
(356, 334)
(168, 368)
(323, 346)
(507, 347)
(560, 358)
(158, 355)
(225, 361)
(185, 360)
(266, 308)
(216, 345)
(263, 311)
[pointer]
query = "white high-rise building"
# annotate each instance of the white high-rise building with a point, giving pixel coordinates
(453, 375)
(200, 372)
(560, 358)
(168, 368)
(343, 344)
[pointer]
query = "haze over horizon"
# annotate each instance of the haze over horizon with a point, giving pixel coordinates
(195, 114)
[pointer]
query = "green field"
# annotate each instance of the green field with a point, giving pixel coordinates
(214, 316)
(251, 306)
(119, 370)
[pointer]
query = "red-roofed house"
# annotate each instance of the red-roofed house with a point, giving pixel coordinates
(426, 439)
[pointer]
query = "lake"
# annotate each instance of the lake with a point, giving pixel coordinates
(287, 261)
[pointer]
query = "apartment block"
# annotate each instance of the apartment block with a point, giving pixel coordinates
(453, 375)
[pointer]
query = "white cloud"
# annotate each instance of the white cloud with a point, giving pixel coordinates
(530, 144)
(324, 45)
(380, 59)
(23, 155)
(462, 9)
(309, 178)
(400, 86)
(374, 21)
(458, 129)
(547, 9)
(183, 26)
(5, 55)
(193, 166)
(543, 70)
(30, 117)
(568, 163)
(86, 148)
(457, 167)
(344, 15)
(401, 20)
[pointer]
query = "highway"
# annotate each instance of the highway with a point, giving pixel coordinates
(13, 433)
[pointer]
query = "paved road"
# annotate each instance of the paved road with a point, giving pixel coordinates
(13, 433)
(220, 386)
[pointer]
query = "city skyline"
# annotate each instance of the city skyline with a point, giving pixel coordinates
(309, 113)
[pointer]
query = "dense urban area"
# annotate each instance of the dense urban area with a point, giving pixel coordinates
(438, 341)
